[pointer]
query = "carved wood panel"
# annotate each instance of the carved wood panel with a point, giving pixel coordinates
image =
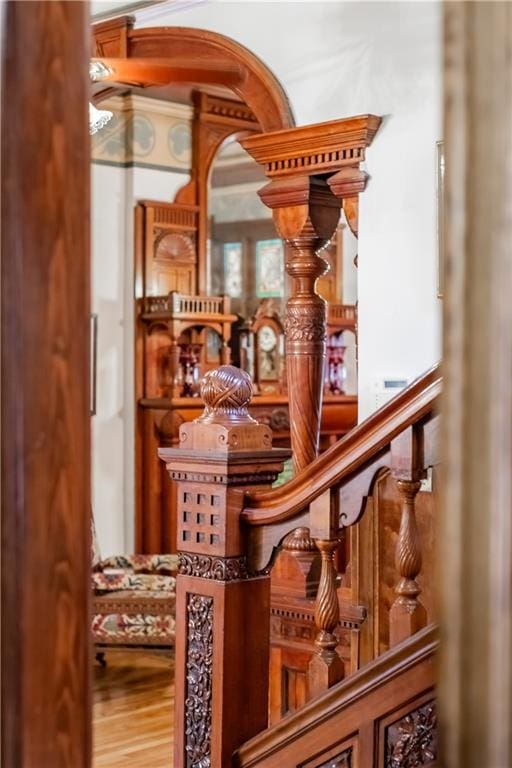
(198, 702)
(377, 573)
(411, 741)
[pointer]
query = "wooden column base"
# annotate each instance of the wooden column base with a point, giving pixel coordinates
(406, 617)
(325, 670)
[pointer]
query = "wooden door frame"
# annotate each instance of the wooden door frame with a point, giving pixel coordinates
(45, 429)
(45, 386)
(475, 557)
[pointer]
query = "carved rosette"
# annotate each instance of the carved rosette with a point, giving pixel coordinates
(411, 742)
(198, 701)
(211, 567)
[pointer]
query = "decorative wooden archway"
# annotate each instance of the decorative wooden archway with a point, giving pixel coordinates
(162, 55)
(234, 95)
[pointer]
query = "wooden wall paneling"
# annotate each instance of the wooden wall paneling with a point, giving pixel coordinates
(45, 420)
(475, 533)
(382, 716)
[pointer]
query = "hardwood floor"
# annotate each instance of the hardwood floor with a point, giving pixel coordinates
(133, 710)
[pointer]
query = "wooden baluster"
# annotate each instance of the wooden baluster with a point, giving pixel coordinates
(326, 667)
(407, 614)
(223, 627)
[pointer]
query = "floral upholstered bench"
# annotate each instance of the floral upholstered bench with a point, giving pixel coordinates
(134, 600)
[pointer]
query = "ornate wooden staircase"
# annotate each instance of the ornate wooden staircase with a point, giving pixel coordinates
(383, 715)
(230, 526)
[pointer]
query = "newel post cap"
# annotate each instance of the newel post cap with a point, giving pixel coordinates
(225, 424)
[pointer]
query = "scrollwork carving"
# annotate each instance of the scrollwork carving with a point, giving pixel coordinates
(411, 742)
(305, 323)
(211, 567)
(198, 701)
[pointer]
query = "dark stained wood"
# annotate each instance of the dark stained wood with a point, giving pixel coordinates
(222, 638)
(360, 714)
(301, 163)
(45, 404)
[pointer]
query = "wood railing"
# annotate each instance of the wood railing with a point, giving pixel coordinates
(383, 716)
(179, 306)
(230, 524)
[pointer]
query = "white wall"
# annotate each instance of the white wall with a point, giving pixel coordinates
(115, 192)
(337, 59)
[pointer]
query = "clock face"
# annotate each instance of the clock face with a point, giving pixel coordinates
(267, 338)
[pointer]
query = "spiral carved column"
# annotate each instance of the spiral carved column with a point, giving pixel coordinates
(306, 214)
(326, 667)
(407, 614)
(305, 339)
(312, 170)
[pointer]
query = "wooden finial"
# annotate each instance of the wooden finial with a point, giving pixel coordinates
(226, 425)
(226, 393)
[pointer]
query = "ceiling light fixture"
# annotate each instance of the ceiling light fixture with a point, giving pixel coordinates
(98, 118)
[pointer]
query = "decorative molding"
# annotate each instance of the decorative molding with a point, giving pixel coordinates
(212, 567)
(411, 742)
(266, 478)
(234, 110)
(316, 149)
(305, 323)
(131, 102)
(199, 677)
(145, 133)
(174, 215)
(343, 760)
(290, 630)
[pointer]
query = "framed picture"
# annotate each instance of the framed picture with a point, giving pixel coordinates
(269, 269)
(440, 216)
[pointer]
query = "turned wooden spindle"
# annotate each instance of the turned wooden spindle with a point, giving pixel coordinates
(305, 343)
(326, 667)
(407, 614)
(311, 170)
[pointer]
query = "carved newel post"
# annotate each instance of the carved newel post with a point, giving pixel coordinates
(222, 611)
(313, 170)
